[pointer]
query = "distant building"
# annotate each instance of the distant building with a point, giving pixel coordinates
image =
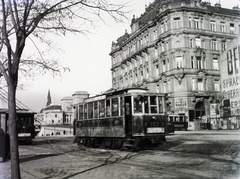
(64, 113)
(174, 48)
(52, 115)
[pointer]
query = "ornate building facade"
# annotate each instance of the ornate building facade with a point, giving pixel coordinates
(174, 47)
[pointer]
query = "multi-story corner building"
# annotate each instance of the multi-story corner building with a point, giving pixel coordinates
(174, 47)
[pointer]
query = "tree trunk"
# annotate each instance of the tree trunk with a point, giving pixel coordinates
(14, 154)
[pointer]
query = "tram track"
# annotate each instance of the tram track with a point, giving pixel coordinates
(107, 157)
(183, 160)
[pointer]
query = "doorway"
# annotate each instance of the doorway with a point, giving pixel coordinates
(200, 110)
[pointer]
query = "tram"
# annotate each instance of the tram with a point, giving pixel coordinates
(125, 118)
(178, 121)
(25, 123)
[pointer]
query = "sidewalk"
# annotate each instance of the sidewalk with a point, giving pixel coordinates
(5, 167)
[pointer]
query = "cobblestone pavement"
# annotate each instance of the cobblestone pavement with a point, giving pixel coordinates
(186, 154)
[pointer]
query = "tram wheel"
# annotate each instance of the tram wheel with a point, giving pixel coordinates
(118, 144)
(113, 144)
(84, 141)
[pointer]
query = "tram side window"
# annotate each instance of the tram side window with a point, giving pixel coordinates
(81, 112)
(115, 107)
(90, 110)
(102, 108)
(153, 104)
(181, 118)
(160, 103)
(146, 104)
(171, 118)
(85, 111)
(137, 105)
(177, 119)
(108, 107)
(95, 109)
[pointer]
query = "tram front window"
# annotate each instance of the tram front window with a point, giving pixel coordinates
(137, 105)
(153, 104)
(146, 104)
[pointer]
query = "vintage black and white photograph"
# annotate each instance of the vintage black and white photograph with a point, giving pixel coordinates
(119, 89)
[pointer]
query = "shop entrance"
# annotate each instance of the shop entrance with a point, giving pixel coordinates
(199, 110)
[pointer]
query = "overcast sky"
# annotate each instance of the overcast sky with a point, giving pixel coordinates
(88, 59)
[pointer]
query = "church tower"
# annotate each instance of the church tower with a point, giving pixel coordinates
(49, 101)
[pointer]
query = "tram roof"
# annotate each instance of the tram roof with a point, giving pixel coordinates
(118, 92)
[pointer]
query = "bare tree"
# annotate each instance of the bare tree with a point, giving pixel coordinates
(26, 19)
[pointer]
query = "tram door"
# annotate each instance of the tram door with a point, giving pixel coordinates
(128, 115)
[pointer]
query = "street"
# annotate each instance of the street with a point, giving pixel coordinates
(186, 154)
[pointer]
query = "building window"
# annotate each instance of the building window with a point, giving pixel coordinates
(193, 84)
(131, 80)
(192, 62)
(191, 43)
(224, 45)
(156, 70)
(162, 27)
(213, 26)
(155, 53)
(179, 62)
(169, 86)
(214, 45)
(216, 85)
(164, 65)
(196, 23)
(190, 22)
(162, 47)
(154, 35)
(232, 29)
(200, 85)
(199, 63)
(167, 47)
(147, 73)
(222, 27)
(198, 42)
(215, 64)
(141, 75)
(177, 22)
(136, 78)
(164, 87)
(168, 66)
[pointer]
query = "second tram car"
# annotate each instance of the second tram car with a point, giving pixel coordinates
(125, 118)
(178, 121)
(25, 123)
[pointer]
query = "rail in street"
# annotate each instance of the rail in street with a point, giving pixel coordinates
(186, 154)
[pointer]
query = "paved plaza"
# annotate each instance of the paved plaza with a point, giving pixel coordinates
(186, 154)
